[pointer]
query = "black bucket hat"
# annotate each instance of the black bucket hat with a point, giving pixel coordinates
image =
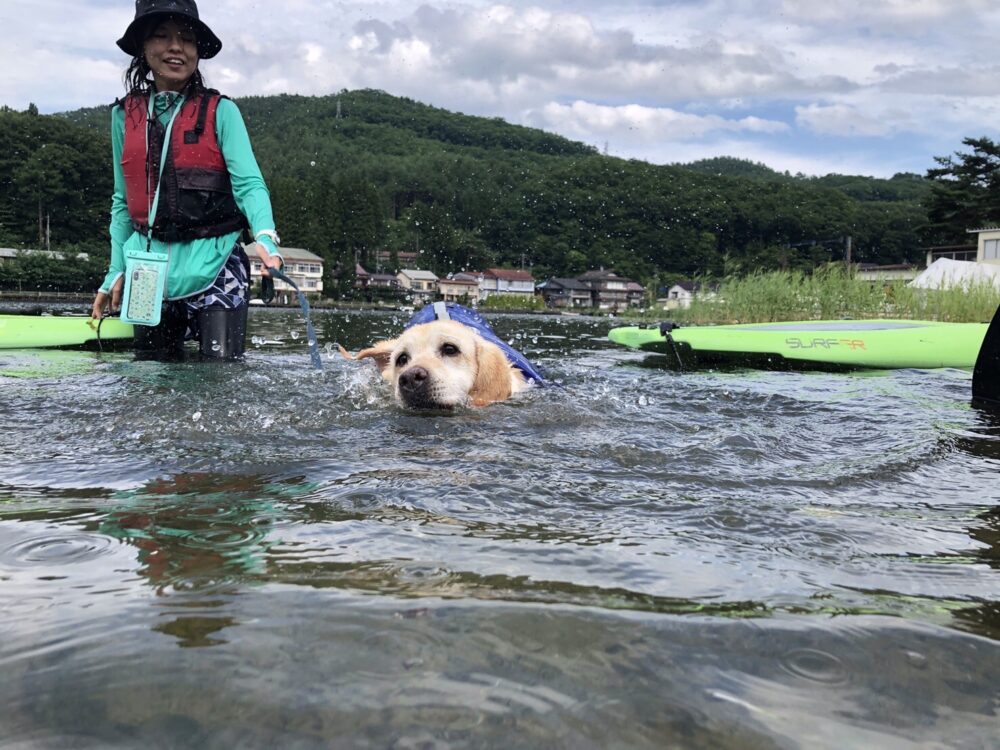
(132, 40)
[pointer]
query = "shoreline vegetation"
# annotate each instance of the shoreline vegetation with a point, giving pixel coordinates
(829, 293)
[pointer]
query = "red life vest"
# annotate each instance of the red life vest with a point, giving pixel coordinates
(196, 195)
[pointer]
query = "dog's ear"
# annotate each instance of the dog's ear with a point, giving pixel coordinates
(492, 375)
(380, 352)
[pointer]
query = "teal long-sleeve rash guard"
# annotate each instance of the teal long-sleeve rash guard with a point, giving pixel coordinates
(192, 264)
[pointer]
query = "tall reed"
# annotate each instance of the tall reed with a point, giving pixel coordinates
(830, 293)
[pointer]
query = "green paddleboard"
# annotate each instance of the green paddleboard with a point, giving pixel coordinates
(885, 344)
(41, 331)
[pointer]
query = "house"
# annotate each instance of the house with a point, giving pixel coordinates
(383, 282)
(565, 293)
(506, 281)
(952, 252)
(361, 277)
(301, 266)
(422, 284)
(680, 295)
(375, 284)
(608, 290)
(636, 293)
(465, 291)
(987, 245)
(893, 272)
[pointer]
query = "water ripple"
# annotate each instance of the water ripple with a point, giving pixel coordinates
(267, 554)
(55, 549)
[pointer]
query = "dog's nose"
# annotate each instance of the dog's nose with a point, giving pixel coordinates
(413, 379)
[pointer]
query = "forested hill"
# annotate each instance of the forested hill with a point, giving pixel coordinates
(364, 170)
(407, 118)
(904, 186)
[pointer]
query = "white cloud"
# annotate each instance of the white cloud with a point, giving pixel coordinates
(586, 120)
(911, 74)
(890, 14)
(841, 119)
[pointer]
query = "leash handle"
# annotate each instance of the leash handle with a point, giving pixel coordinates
(304, 304)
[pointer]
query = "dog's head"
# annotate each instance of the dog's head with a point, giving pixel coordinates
(443, 364)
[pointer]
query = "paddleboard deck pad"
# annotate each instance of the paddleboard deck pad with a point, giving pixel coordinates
(45, 331)
(823, 344)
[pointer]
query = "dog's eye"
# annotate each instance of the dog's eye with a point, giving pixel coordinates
(449, 350)
(402, 359)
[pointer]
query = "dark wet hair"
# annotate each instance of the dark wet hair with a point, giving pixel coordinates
(138, 77)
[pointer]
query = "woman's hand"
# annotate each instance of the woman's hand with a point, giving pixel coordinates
(268, 260)
(102, 299)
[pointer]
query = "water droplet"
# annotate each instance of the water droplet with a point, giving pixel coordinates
(815, 666)
(643, 401)
(312, 164)
(294, 334)
(916, 659)
(215, 347)
(196, 416)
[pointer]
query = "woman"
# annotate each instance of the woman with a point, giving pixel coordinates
(184, 165)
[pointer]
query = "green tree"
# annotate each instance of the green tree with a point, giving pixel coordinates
(44, 178)
(965, 192)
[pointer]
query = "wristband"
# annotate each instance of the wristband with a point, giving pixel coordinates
(268, 233)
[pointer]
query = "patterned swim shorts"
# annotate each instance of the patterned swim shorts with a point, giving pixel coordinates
(230, 290)
(231, 287)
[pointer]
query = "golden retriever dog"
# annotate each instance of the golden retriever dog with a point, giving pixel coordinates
(443, 364)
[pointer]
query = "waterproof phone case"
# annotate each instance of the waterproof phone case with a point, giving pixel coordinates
(145, 279)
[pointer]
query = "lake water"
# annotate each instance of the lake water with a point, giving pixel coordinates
(264, 555)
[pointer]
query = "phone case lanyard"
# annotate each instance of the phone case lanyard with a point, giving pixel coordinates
(155, 201)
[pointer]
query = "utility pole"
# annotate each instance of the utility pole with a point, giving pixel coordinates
(847, 251)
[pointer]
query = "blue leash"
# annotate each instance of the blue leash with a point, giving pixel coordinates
(304, 304)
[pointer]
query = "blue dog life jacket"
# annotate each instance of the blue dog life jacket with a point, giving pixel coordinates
(475, 321)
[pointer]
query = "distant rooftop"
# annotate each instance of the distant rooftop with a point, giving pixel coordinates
(418, 275)
(508, 274)
(566, 283)
(297, 253)
(599, 274)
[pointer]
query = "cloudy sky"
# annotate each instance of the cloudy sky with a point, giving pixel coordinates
(814, 86)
